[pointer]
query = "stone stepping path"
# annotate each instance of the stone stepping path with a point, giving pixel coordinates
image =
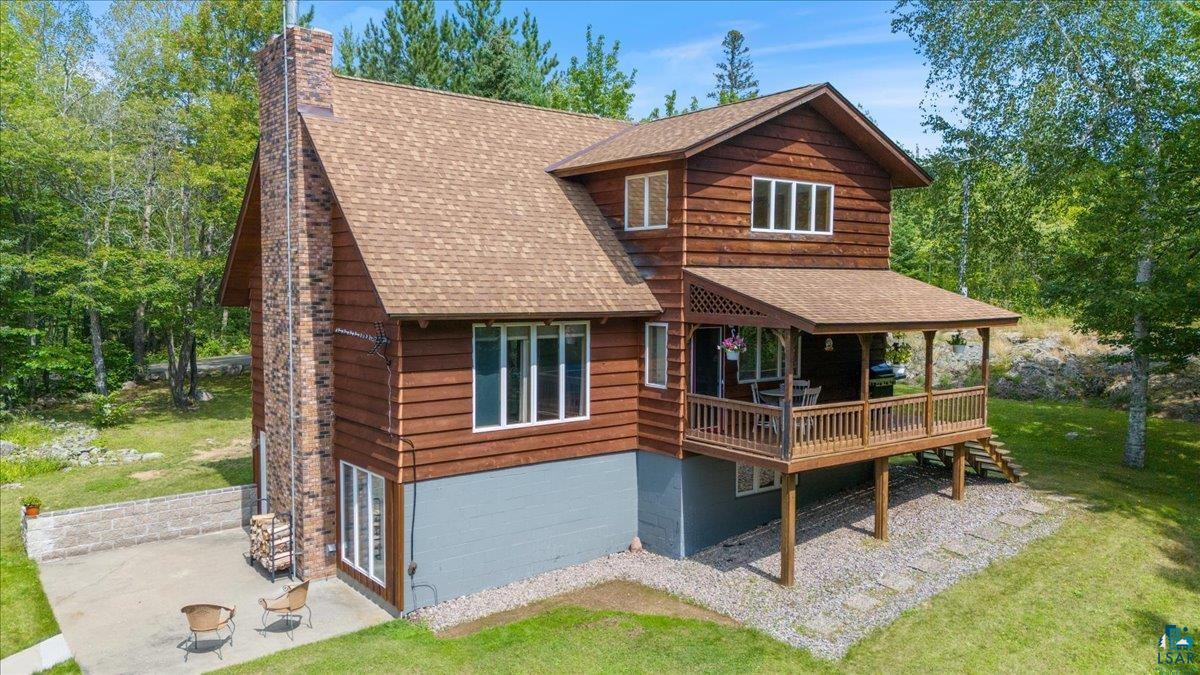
(989, 533)
(861, 602)
(1036, 507)
(896, 582)
(1016, 519)
(962, 549)
(928, 565)
(821, 625)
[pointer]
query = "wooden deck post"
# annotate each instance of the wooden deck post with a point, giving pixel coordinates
(881, 498)
(786, 425)
(787, 531)
(930, 335)
(985, 334)
(864, 344)
(958, 486)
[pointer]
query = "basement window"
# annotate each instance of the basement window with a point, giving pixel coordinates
(646, 201)
(363, 516)
(791, 206)
(528, 374)
(750, 480)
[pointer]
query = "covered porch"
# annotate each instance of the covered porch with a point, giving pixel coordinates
(853, 309)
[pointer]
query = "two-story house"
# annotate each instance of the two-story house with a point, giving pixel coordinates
(549, 293)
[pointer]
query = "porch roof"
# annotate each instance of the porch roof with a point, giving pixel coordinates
(835, 300)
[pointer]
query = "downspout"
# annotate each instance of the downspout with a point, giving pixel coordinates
(289, 20)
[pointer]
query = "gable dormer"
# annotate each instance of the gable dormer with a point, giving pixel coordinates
(798, 178)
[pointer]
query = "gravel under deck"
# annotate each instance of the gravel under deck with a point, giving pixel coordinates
(847, 583)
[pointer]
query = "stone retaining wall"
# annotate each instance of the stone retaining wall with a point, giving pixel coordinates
(59, 534)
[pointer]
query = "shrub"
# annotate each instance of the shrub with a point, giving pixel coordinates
(108, 410)
(13, 471)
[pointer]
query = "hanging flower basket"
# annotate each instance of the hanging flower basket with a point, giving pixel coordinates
(733, 346)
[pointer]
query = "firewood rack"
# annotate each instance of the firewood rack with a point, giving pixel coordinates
(271, 543)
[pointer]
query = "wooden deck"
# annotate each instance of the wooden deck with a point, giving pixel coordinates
(833, 433)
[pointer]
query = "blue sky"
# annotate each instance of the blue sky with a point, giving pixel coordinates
(675, 45)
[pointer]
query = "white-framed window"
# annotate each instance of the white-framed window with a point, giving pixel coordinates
(646, 201)
(364, 514)
(656, 355)
(778, 205)
(750, 480)
(763, 358)
(529, 373)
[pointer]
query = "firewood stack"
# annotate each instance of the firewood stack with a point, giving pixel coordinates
(271, 541)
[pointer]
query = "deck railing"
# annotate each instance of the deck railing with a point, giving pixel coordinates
(750, 427)
(827, 427)
(833, 427)
(957, 409)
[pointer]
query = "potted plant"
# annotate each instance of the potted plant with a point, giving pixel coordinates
(957, 342)
(32, 505)
(898, 355)
(733, 346)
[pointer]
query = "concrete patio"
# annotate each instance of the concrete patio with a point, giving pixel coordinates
(119, 609)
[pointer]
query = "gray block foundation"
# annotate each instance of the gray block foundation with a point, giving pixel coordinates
(686, 505)
(481, 530)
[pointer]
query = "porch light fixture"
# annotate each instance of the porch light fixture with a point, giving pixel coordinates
(828, 344)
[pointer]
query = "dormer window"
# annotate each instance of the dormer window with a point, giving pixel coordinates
(646, 201)
(791, 206)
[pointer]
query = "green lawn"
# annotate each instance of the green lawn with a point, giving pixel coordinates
(198, 454)
(1092, 597)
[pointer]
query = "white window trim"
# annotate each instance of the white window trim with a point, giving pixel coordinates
(370, 532)
(812, 207)
(756, 489)
(646, 224)
(562, 380)
(646, 355)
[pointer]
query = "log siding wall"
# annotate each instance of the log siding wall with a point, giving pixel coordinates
(709, 225)
(436, 397)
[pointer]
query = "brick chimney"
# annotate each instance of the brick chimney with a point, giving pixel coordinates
(310, 91)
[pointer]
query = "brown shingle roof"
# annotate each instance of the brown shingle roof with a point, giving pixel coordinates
(450, 204)
(850, 300)
(685, 135)
(676, 134)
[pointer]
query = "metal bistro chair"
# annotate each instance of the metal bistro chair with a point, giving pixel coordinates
(288, 604)
(208, 619)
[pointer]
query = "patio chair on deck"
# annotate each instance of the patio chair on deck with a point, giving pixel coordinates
(208, 619)
(807, 397)
(288, 604)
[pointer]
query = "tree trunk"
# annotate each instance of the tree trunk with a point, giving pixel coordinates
(963, 235)
(100, 378)
(139, 340)
(177, 361)
(193, 370)
(1139, 379)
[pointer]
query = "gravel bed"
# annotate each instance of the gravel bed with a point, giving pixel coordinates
(837, 561)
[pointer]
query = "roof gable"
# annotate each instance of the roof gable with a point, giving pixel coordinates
(455, 217)
(685, 135)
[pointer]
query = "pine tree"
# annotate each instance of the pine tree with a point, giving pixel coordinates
(735, 72)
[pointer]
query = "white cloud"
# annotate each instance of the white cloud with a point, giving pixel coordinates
(874, 36)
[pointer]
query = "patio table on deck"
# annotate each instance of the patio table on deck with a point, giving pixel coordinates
(776, 393)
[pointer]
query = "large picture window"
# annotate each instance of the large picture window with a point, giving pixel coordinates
(646, 201)
(530, 374)
(763, 358)
(656, 355)
(363, 516)
(791, 206)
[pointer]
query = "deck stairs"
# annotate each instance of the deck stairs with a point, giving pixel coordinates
(983, 456)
